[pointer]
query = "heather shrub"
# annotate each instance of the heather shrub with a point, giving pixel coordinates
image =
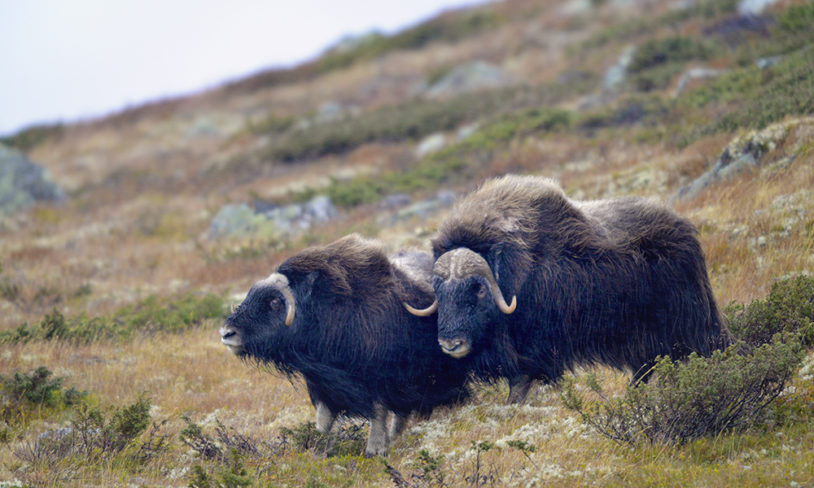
(789, 308)
(727, 392)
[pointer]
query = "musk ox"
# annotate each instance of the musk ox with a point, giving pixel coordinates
(334, 315)
(617, 282)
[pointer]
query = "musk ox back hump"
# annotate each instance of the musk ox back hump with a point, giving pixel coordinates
(350, 266)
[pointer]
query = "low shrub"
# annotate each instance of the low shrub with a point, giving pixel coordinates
(726, 392)
(659, 52)
(729, 391)
(788, 308)
(348, 440)
(91, 436)
(38, 393)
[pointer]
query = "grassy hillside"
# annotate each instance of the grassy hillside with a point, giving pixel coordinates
(111, 368)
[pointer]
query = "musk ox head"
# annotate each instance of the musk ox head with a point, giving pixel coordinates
(469, 301)
(268, 310)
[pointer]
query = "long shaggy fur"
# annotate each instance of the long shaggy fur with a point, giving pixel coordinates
(351, 338)
(618, 282)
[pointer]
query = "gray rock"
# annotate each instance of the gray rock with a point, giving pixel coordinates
(467, 130)
(742, 154)
(421, 210)
(469, 77)
(397, 200)
(265, 220)
(238, 220)
(615, 75)
(754, 7)
(764, 63)
(22, 183)
(695, 74)
(430, 144)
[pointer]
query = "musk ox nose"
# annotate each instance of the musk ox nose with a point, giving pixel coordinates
(457, 348)
(231, 339)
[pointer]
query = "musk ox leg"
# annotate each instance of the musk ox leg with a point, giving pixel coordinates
(377, 439)
(518, 389)
(325, 418)
(397, 423)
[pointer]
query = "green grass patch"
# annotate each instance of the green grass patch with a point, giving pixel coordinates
(750, 98)
(149, 316)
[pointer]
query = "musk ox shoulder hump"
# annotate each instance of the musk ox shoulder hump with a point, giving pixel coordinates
(350, 265)
(508, 209)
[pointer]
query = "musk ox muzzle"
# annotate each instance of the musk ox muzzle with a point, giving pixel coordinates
(457, 348)
(462, 263)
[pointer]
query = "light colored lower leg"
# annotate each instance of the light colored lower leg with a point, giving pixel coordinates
(397, 423)
(325, 418)
(518, 389)
(377, 439)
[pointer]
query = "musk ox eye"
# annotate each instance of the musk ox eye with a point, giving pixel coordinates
(275, 303)
(483, 291)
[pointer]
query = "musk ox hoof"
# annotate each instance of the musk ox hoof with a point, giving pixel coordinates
(380, 451)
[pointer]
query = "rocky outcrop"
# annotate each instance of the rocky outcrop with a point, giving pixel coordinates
(270, 221)
(469, 77)
(746, 152)
(23, 183)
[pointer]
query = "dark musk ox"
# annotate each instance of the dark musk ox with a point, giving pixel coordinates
(334, 315)
(617, 282)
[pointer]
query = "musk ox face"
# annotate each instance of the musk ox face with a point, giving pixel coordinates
(267, 311)
(466, 314)
(469, 301)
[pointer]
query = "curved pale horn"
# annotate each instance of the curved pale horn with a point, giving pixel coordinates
(500, 301)
(423, 312)
(291, 306)
(280, 282)
(463, 262)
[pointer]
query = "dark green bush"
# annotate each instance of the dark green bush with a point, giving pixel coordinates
(30, 137)
(91, 436)
(751, 98)
(658, 52)
(789, 308)
(38, 387)
(726, 392)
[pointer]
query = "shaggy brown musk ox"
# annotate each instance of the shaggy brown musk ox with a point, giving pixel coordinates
(333, 314)
(618, 282)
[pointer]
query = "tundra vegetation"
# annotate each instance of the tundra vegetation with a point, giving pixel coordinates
(111, 300)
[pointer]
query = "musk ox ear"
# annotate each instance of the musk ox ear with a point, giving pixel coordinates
(510, 266)
(306, 284)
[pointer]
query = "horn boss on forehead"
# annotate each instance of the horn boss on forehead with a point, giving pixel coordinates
(461, 263)
(280, 282)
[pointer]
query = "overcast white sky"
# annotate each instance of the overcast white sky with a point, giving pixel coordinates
(72, 59)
